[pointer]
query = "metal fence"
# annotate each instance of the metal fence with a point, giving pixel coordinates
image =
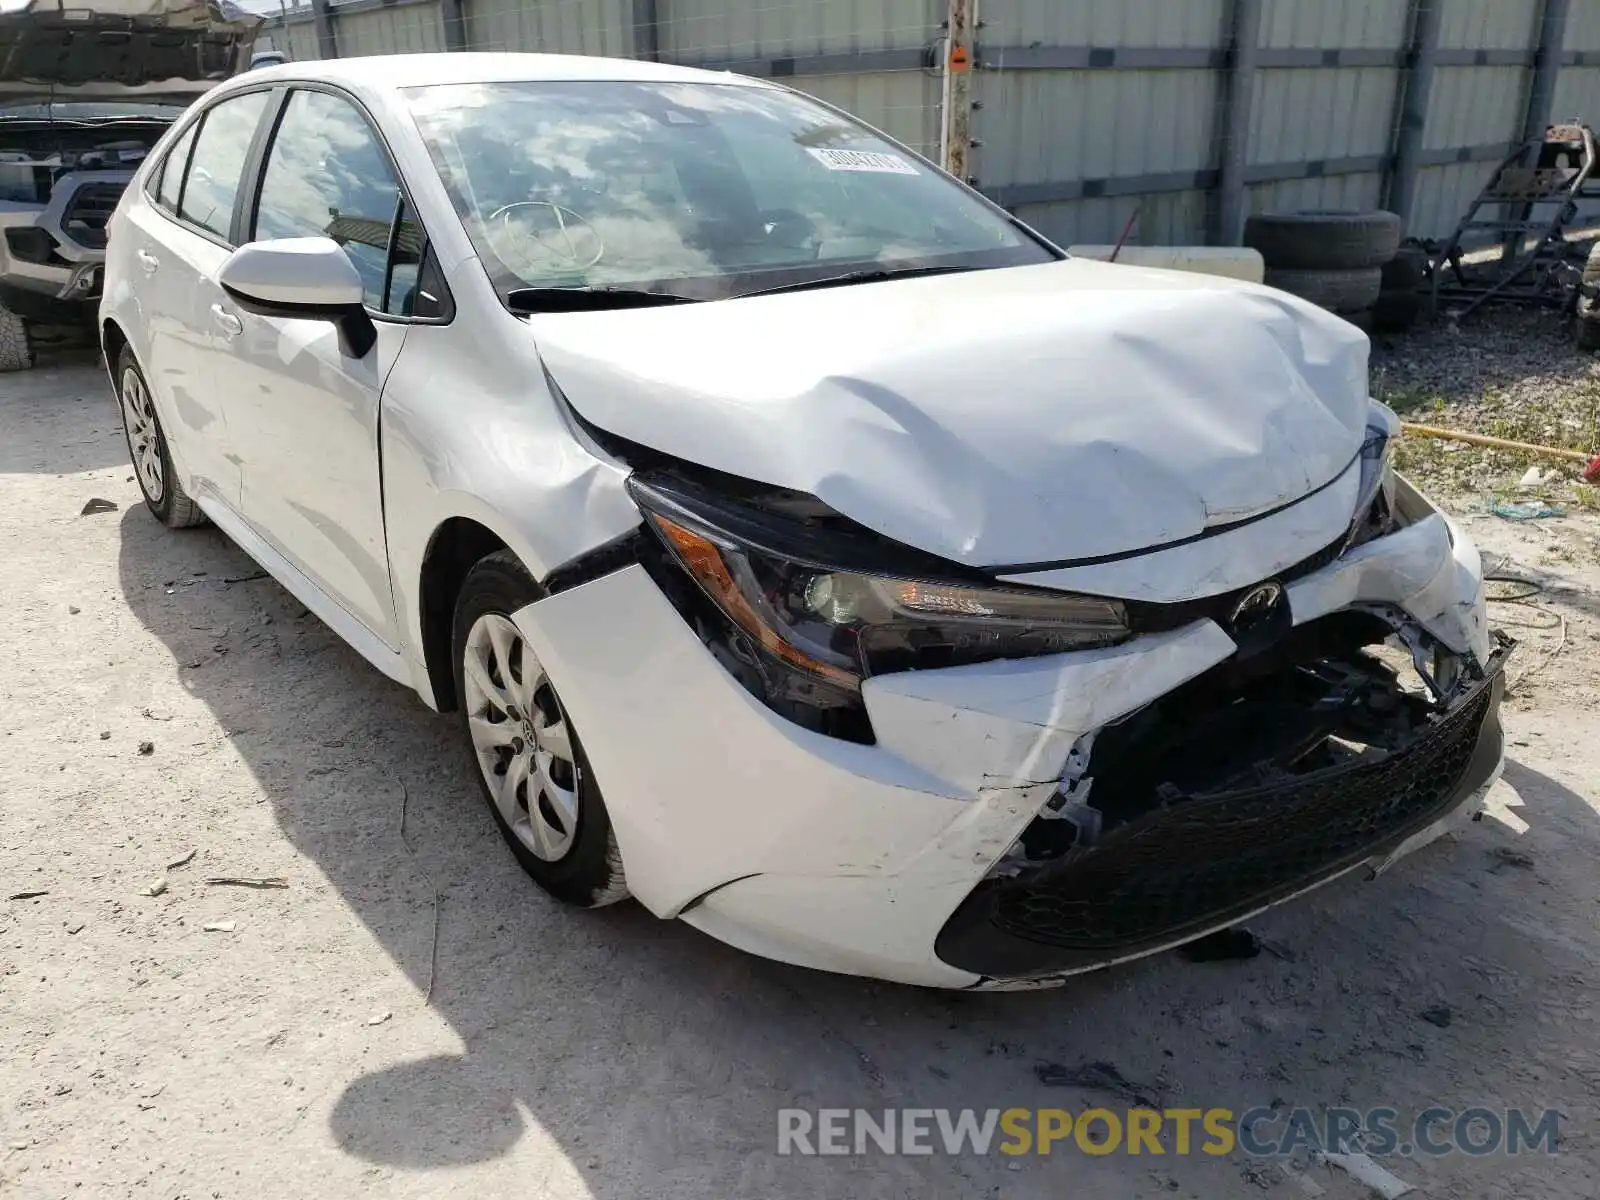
(1077, 113)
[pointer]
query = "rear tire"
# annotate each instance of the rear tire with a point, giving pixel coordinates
(523, 748)
(1327, 241)
(1341, 291)
(147, 449)
(16, 346)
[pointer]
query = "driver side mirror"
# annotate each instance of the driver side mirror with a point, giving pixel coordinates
(309, 279)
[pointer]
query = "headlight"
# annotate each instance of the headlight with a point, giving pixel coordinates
(1375, 511)
(841, 625)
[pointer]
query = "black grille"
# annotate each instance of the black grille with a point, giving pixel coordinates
(1146, 617)
(91, 206)
(1198, 862)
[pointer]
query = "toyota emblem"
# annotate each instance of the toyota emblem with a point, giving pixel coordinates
(1256, 607)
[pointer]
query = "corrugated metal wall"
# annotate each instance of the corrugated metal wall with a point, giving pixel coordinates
(407, 30)
(696, 30)
(1578, 87)
(1042, 124)
(1478, 105)
(602, 27)
(1093, 108)
(1354, 106)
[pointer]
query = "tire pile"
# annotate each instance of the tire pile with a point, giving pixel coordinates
(1350, 263)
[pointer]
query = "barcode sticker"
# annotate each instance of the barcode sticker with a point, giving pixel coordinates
(863, 160)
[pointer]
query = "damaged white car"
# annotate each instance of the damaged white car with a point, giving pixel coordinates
(85, 91)
(807, 548)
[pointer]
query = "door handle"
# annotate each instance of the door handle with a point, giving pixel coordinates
(226, 321)
(147, 261)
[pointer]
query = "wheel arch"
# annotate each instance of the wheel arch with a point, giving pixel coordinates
(112, 339)
(455, 546)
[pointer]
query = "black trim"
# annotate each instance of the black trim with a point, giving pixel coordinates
(607, 559)
(394, 244)
(354, 321)
(242, 228)
(1210, 531)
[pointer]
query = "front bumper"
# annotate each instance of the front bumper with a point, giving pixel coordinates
(880, 860)
(1180, 872)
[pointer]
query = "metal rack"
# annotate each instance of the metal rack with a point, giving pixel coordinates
(1524, 209)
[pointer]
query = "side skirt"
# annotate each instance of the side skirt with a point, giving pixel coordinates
(332, 614)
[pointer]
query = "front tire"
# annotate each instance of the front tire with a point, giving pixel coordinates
(523, 748)
(147, 449)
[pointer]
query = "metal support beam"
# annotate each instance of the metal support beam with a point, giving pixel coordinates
(1541, 98)
(1012, 195)
(647, 30)
(327, 40)
(1238, 89)
(1400, 190)
(1546, 67)
(454, 24)
(955, 116)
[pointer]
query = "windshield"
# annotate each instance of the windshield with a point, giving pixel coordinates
(698, 190)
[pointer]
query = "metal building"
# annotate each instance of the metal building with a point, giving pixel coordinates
(1079, 112)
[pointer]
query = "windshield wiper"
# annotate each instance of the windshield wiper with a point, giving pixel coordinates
(866, 275)
(588, 299)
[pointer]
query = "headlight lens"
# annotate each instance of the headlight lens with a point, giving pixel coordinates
(1374, 512)
(841, 626)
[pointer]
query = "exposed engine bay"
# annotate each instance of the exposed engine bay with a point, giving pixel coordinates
(85, 94)
(92, 160)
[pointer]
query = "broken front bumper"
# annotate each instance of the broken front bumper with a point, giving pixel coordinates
(883, 859)
(1180, 871)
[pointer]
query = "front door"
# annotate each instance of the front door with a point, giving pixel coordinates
(308, 409)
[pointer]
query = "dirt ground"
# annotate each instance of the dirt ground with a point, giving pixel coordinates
(293, 1051)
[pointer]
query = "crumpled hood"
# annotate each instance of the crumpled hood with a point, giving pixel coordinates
(1022, 416)
(120, 49)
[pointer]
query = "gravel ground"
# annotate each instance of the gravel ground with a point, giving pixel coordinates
(172, 718)
(1511, 374)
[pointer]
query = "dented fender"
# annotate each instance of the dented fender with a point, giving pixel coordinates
(1430, 569)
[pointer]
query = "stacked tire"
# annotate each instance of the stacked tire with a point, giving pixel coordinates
(16, 346)
(1349, 263)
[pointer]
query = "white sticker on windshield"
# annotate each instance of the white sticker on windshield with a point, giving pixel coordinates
(862, 160)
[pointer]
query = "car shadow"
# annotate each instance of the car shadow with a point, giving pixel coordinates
(55, 418)
(656, 1059)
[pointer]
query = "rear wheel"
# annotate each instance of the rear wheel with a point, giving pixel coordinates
(524, 749)
(147, 448)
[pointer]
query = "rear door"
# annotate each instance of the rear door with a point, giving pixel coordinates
(180, 241)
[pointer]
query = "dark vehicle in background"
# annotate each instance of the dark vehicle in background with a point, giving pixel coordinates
(84, 95)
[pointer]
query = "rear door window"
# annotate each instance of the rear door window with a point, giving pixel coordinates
(172, 169)
(212, 184)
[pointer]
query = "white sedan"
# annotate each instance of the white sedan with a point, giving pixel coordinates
(807, 548)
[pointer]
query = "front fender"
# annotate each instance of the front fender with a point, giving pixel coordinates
(494, 448)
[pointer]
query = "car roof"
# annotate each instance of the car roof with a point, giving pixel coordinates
(393, 71)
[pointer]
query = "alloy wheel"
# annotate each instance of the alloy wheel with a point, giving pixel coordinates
(521, 737)
(144, 442)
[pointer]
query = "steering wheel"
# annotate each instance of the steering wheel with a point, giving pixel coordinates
(791, 229)
(544, 235)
